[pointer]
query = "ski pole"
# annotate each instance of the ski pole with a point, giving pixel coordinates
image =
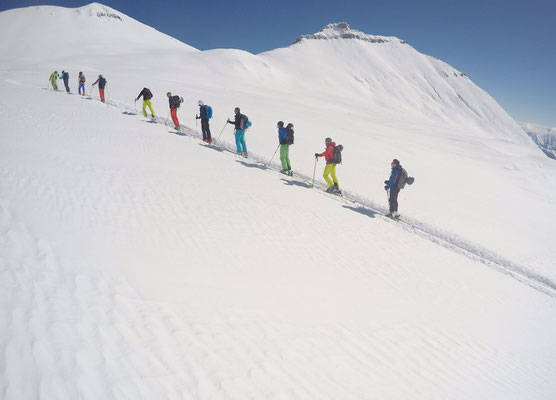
(314, 171)
(272, 156)
(196, 125)
(168, 118)
(221, 132)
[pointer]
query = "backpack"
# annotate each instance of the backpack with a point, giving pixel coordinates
(405, 179)
(176, 101)
(244, 122)
(289, 135)
(208, 110)
(337, 158)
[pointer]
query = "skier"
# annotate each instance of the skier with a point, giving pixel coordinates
(393, 188)
(330, 169)
(205, 113)
(147, 96)
(81, 80)
(240, 122)
(284, 148)
(174, 105)
(65, 76)
(101, 85)
(54, 79)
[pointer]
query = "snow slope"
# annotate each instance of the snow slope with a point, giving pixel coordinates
(138, 263)
(478, 175)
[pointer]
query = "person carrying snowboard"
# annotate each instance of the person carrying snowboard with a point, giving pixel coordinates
(147, 96)
(54, 80)
(101, 85)
(205, 113)
(393, 188)
(284, 135)
(81, 81)
(240, 122)
(330, 169)
(65, 76)
(175, 102)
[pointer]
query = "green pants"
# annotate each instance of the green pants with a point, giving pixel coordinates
(330, 169)
(285, 157)
(145, 104)
(54, 84)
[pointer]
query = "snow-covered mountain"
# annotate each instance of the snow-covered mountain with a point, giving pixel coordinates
(139, 263)
(543, 136)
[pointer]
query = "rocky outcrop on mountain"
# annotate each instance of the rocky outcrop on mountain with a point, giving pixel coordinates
(341, 30)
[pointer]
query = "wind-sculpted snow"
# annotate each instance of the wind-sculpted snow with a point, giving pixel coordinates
(137, 262)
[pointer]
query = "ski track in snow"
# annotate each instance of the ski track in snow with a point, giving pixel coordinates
(91, 339)
(367, 206)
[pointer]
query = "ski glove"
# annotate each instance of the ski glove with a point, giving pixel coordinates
(386, 182)
(385, 187)
(316, 155)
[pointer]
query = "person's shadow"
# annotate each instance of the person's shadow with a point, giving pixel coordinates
(296, 183)
(361, 210)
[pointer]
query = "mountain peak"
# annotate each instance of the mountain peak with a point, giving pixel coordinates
(342, 30)
(99, 10)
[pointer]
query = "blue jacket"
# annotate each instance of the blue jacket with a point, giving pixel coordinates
(394, 177)
(282, 135)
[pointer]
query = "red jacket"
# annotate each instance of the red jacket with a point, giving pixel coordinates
(328, 153)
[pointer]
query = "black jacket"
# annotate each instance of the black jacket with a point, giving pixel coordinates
(237, 121)
(146, 93)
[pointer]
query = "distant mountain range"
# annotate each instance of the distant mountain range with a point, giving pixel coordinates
(543, 136)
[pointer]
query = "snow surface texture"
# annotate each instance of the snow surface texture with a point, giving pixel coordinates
(140, 263)
(543, 137)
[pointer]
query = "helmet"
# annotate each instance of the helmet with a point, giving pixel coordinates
(168, 94)
(328, 140)
(100, 76)
(280, 123)
(55, 72)
(80, 73)
(201, 102)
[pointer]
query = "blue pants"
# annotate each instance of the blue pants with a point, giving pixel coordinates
(81, 86)
(240, 141)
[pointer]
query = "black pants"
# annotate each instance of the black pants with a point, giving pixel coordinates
(67, 86)
(206, 129)
(393, 199)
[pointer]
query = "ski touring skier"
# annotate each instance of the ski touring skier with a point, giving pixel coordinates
(330, 169)
(101, 85)
(65, 77)
(147, 96)
(54, 80)
(285, 136)
(241, 123)
(175, 102)
(81, 81)
(205, 113)
(393, 186)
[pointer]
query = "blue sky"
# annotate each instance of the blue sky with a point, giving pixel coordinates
(507, 47)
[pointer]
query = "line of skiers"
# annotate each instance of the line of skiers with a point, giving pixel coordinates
(80, 81)
(332, 153)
